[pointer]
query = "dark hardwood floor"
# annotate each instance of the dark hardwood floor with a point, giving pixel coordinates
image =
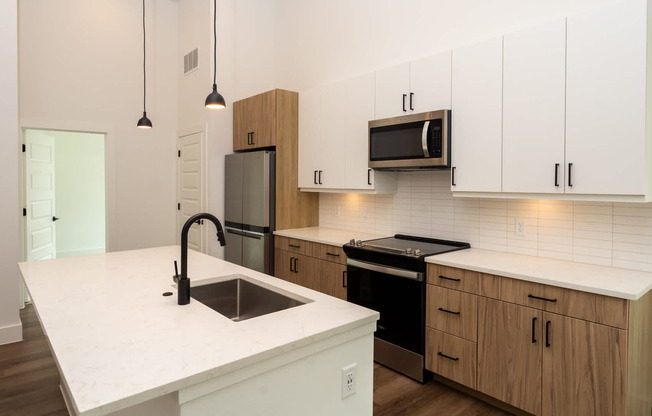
(29, 384)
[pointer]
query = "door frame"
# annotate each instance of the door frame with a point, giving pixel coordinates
(199, 129)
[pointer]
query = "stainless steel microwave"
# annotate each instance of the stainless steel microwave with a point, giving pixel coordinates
(415, 141)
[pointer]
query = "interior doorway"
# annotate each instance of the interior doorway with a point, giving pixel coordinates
(64, 193)
(191, 186)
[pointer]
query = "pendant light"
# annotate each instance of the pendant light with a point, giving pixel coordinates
(215, 99)
(144, 122)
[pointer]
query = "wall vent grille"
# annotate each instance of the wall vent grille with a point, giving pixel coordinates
(190, 61)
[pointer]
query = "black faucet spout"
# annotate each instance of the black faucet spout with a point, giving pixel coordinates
(183, 283)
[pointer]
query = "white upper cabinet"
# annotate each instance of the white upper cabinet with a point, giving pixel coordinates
(534, 62)
(477, 117)
(414, 87)
(333, 139)
(606, 144)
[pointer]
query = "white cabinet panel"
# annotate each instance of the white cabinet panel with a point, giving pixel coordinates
(392, 87)
(331, 161)
(430, 82)
(477, 116)
(606, 99)
(359, 110)
(534, 65)
(309, 136)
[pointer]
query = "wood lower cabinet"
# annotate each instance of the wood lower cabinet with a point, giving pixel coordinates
(509, 353)
(321, 267)
(584, 368)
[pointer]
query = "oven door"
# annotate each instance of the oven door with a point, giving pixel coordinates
(397, 294)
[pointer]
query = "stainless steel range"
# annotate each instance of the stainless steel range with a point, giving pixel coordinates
(388, 275)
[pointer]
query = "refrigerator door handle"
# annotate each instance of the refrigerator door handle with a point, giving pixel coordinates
(231, 231)
(257, 236)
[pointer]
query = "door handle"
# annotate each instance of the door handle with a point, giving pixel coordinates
(411, 96)
(249, 138)
(368, 176)
(295, 265)
(344, 278)
(448, 356)
(570, 182)
(453, 176)
(252, 235)
(534, 321)
(230, 231)
(548, 333)
(556, 174)
(314, 177)
(252, 138)
(424, 138)
(320, 177)
(404, 96)
(447, 311)
(291, 258)
(55, 219)
(449, 278)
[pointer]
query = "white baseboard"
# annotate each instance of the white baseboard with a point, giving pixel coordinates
(11, 333)
(80, 252)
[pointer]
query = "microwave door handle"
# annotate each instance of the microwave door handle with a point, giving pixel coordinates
(424, 138)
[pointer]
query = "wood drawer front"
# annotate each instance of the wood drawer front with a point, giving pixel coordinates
(453, 278)
(452, 311)
(452, 357)
(583, 305)
(332, 253)
(293, 245)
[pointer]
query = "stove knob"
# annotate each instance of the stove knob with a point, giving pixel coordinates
(408, 251)
(417, 252)
(352, 242)
(358, 243)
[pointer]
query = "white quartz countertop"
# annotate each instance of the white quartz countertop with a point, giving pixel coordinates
(324, 235)
(609, 281)
(119, 342)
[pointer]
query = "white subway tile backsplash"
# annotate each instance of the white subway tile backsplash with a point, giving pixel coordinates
(605, 233)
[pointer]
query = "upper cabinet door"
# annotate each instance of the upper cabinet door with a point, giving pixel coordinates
(261, 119)
(392, 91)
(430, 83)
(359, 110)
(476, 134)
(240, 130)
(606, 100)
(534, 76)
(309, 137)
(332, 169)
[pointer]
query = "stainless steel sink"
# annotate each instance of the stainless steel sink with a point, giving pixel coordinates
(239, 299)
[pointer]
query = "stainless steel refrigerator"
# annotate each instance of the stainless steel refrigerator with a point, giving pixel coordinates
(250, 209)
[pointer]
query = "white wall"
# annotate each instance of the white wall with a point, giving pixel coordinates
(79, 188)
(10, 327)
(81, 69)
(196, 31)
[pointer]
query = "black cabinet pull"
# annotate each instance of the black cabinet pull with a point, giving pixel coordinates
(447, 356)
(453, 176)
(295, 265)
(291, 258)
(548, 333)
(404, 96)
(411, 96)
(449, 278)
(368, 176)
(320, 177)
(252, 138)
(570, 182)
(447, 311)
(531, 296)
(344, 278)
(332, 254)
(534, 339)
(556, 174)
(314, 177)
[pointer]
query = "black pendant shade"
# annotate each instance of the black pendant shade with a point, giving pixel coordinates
(215, 100)
(144, 122)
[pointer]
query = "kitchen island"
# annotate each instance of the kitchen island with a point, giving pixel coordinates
(123, 348)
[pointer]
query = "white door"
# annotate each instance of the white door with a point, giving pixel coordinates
(606, 100)
(190, 187)
(477, 93)
(392, 91)
(430, 83)
(359, 110)
(332, 171)
(39, 196)
(533, 129)
(309, 137)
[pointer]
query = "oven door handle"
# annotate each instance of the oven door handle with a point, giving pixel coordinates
(408, 274)
(424, 138)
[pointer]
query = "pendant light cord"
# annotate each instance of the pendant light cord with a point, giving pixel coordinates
(144, 71)
(214, 42)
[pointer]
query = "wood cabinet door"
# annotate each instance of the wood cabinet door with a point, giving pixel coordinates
(332, 279)
(283, 265)
(606, 99)
(307, 271)
(584, 367)
(509, 353)
(533, 129)
(261, 119)
(240, 129)
(477, 107)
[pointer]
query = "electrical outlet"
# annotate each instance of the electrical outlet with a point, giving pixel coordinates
(337, 211)
(349, 380)
(520, 227)
(365, 213)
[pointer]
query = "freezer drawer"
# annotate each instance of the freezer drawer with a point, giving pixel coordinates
(249, 249)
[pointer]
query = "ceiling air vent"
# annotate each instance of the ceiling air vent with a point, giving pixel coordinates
(190, 61)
